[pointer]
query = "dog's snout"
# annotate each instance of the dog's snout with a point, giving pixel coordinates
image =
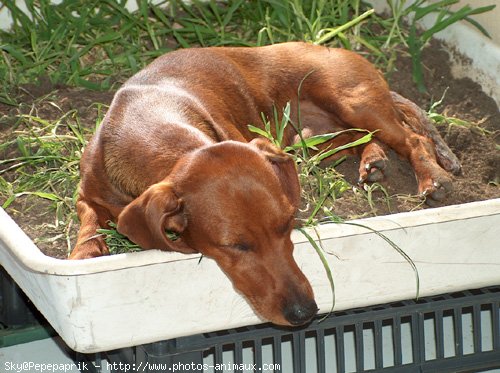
(300, 313)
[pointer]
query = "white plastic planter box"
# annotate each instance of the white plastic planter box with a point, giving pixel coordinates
(129, 299)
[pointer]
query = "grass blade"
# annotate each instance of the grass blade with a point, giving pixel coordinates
(365, 139)
(331, 33)
(395, 247)
(326, 266)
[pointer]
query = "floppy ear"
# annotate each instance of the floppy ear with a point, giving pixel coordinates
(283, 166)
(147, 218)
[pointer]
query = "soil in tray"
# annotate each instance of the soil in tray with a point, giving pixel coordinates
(476, 145)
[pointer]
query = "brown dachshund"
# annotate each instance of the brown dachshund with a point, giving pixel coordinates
(174, 153)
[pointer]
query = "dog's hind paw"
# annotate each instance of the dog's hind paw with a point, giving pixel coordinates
(436, 190)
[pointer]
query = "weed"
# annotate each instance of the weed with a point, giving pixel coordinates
(371, 189)
(445, 17)
(77, 42)
(95, 43)
(48, 158)
(441, 118)
(119, 244)
(318, 183)
(116, 242)
(316, 244)
(391, 243)
(276, 136)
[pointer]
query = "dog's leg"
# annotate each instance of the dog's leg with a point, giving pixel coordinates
(89, 244)
(418, 121)
(375, 111)
(433, 181)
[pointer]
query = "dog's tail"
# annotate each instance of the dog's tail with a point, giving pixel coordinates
(417, 120)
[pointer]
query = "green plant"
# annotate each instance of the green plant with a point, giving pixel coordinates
(49, 152)
(82, 43)
(119, 244)
(276, 136)
(391, 243)
(268, 21)
(445, 17)
(320, 252)
(371, 189)
(116, 242)
(93, 44)
(441, 118)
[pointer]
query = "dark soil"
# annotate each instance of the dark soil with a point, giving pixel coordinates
(477, 149)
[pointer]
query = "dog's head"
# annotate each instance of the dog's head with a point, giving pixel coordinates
(235, 203)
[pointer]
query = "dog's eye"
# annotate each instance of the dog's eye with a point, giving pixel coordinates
(242, 247)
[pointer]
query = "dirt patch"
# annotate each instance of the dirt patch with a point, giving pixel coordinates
(476, 145)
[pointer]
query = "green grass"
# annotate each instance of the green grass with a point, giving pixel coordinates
(83, 43)
(94, 44)
(46, 160)
(319, 184)
(322, 185)
(116, 242)
(442, 118)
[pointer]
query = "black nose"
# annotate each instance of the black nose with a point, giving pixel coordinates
(300, 313)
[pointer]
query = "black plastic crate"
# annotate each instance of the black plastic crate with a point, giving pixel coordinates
(457, 332)
(15, 307)
(20, 321)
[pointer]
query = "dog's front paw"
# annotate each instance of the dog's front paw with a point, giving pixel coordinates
(372, 171)
(373, 163)
(90, 248)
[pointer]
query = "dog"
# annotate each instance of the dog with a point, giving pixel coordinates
(174, 153)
